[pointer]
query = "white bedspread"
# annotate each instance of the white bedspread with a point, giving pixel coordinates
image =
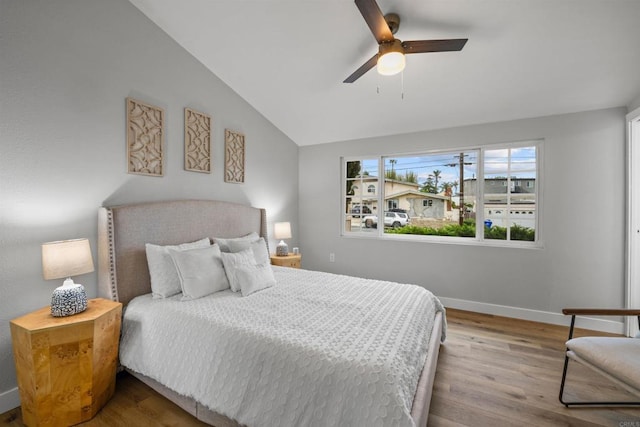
(317, 349)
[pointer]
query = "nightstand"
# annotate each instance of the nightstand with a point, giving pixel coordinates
(290, 260)
(66, 366)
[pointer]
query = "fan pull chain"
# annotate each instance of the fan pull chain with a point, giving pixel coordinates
(401, 84)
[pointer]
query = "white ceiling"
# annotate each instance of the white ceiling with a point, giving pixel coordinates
(524, 58)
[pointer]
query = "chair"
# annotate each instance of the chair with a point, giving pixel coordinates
(617, 358)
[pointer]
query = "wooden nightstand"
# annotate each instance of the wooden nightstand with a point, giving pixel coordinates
(66, 366)
(290, 260)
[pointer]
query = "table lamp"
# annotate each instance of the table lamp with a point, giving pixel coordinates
(64, 259)
(282, 231)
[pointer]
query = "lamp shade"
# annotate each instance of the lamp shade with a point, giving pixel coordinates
(66, 258)
(282, 230)
(391, 58)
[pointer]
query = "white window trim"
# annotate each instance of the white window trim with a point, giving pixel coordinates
(632, 265)
(479, 239)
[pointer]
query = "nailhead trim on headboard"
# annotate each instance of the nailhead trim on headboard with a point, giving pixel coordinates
(107, 279)
(112, 257)
(263, 227)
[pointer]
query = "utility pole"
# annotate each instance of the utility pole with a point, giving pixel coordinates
(462, 208)
(460, 163)
(393, 175)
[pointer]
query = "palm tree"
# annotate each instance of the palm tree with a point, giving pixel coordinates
(436, 175)
(392, 173)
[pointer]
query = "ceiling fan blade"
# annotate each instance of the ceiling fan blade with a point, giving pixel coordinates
(423, 46)
(375, 20)
(363, 69)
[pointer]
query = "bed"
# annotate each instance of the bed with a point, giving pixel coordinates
(274, 378)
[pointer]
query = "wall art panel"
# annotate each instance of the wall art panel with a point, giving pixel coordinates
(234, 150)
(197, 141)
(145, 138)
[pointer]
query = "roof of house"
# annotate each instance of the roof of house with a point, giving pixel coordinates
(418, 194)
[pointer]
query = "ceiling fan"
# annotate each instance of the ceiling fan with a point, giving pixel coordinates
(391, 51)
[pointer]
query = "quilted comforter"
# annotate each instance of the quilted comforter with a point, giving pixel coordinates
(317, 349)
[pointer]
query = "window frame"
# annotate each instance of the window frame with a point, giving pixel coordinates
(479, 239)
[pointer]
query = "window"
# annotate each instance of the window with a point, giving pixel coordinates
(512, 165)
(485, 194)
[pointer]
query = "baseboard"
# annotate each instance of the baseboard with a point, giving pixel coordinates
(9, 399)
(534, 315)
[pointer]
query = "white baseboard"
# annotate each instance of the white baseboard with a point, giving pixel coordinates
(9, 399)
(535, 315)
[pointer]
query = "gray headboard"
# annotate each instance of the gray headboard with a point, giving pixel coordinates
(124, 230)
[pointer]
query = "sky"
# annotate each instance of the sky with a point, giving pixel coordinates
(496, 164)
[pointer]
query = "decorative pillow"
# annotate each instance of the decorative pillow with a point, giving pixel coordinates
(259, 248)
(232, 261)
(254, 278)
(200, 271)
(224, 243)
(164, 277)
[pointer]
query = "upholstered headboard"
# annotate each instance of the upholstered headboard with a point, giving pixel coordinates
(124, 230)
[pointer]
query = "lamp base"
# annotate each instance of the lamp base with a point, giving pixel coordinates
(68, 300)
(282, 249)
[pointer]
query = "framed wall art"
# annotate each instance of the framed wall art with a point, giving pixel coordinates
(197, 141)
(234, 149)
(145, 138)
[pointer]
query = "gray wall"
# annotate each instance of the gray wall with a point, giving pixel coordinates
(583, 218)
(66, 68)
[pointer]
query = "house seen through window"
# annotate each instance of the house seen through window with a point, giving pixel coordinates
(488, 193)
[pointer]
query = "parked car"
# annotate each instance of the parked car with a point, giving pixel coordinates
(357, 210)
(391, 219)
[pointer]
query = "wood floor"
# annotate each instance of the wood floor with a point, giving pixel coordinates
(492, 371)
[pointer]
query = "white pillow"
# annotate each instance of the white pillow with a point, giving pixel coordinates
(200, 271)
(259, 248)
(164, 277)
(232, 261)
(254, 278)
(224, 243)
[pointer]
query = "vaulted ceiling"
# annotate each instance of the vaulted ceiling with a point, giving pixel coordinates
(524, 58)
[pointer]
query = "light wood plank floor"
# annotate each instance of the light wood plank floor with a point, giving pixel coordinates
(492, 371)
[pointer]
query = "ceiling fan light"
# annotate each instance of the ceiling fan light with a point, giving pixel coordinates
(391, 63)
(391, 58)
